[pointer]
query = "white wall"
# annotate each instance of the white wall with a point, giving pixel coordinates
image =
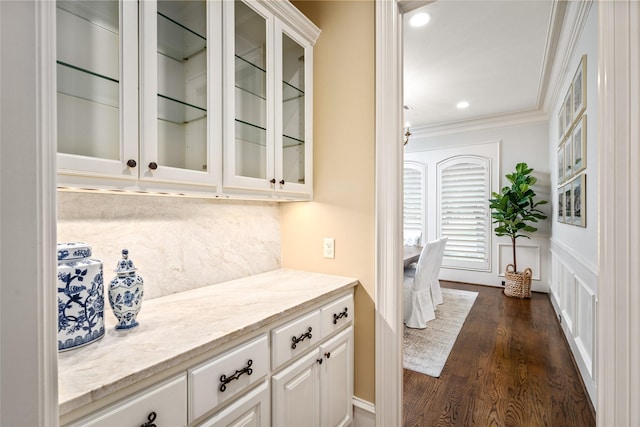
(574, 250)
(517, 143)
(580, 240)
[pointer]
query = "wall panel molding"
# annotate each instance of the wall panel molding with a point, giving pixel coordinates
(574, 299)
(577, 262)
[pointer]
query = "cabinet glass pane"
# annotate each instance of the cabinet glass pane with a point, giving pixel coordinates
(293, 149)
(182, 84)
(250, 92)
(88, 55)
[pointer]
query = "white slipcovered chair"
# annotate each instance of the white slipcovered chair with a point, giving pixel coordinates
(436, 292)
(418, 290)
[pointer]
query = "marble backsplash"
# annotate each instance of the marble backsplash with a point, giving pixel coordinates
(177, 243)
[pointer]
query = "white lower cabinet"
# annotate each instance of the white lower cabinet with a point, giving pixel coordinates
(317, 389)
(304, 379)
(295, 338)
(336, 380)
(227, 376)
(251, 410)
(164, 404)
(296, 393)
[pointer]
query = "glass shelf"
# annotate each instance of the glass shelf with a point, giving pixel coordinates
(251, 133)
(289, 141)
(103, 13)
(178, 41)
(250, 78)
(291, 93)
(175, 111)
(255, 134)
(84, 84)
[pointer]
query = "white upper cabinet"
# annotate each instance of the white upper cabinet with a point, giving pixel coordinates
(180, 87)
(97, 88)
(142, 86)
(268, 101)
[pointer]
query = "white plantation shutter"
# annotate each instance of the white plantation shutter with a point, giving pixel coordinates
(464, 184)
(414, 203)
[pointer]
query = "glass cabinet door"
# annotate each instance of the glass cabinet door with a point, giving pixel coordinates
(292, 152)
(175, 90)
(267, 139)
(95, 86)
(249, 132)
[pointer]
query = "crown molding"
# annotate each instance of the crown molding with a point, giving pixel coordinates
(406, 6)
(558, 10)
(498, 120)
(288, 13)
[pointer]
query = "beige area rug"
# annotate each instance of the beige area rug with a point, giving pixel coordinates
(426, 350)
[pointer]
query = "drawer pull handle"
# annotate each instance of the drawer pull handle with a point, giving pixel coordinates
(319, 361)
(340, 316)
(150, 420)
(327, 354)
(224, 380)
(301, 338)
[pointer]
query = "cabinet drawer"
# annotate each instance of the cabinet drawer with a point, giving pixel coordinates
(164, 404)
(336, 315)
(295, 337)
(252, 409)
(226, 375)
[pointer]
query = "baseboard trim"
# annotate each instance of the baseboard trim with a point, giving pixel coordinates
(364, 413)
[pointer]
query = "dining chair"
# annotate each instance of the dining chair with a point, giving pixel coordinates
(436, 291)
(418, 306)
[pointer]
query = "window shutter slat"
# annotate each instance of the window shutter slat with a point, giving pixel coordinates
(414, 204)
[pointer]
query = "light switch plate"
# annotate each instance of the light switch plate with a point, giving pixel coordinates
(329, 247)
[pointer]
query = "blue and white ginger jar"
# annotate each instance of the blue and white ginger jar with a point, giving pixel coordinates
(80, 296)
(125, 293)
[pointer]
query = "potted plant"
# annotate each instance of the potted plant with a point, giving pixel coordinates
(514, 210)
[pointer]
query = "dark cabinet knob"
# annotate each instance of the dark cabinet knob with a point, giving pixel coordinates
(131, 163)
(319, 361)
(282, 182)
(153, 166)
(327, 354)
(273, 180)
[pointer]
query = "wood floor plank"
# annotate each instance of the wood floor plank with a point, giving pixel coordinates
(510, 366)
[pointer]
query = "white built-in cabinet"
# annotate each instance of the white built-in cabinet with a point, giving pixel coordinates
(97, 89)
(162, 404)
(200, 97)
(315, 390)
(268, 109)
(296, 372)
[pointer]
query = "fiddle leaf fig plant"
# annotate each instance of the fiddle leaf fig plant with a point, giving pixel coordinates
(514, 208)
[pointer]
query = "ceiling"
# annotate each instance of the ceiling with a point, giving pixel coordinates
(496, 55)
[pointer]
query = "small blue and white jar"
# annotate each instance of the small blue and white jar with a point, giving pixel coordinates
(125, 293)
(80, 296)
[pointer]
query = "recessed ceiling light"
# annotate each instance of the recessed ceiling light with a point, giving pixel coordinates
(419, 19)
(462, 105)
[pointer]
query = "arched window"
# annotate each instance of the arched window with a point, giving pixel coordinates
(463, 191)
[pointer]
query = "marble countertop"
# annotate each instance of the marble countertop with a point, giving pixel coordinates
(178, 327)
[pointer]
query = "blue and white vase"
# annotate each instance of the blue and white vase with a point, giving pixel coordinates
(80, 296)
(125, 293)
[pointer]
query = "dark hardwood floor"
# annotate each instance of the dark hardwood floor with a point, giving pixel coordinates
(510, 366)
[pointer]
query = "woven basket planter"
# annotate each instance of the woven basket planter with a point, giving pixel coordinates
(517, 285)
